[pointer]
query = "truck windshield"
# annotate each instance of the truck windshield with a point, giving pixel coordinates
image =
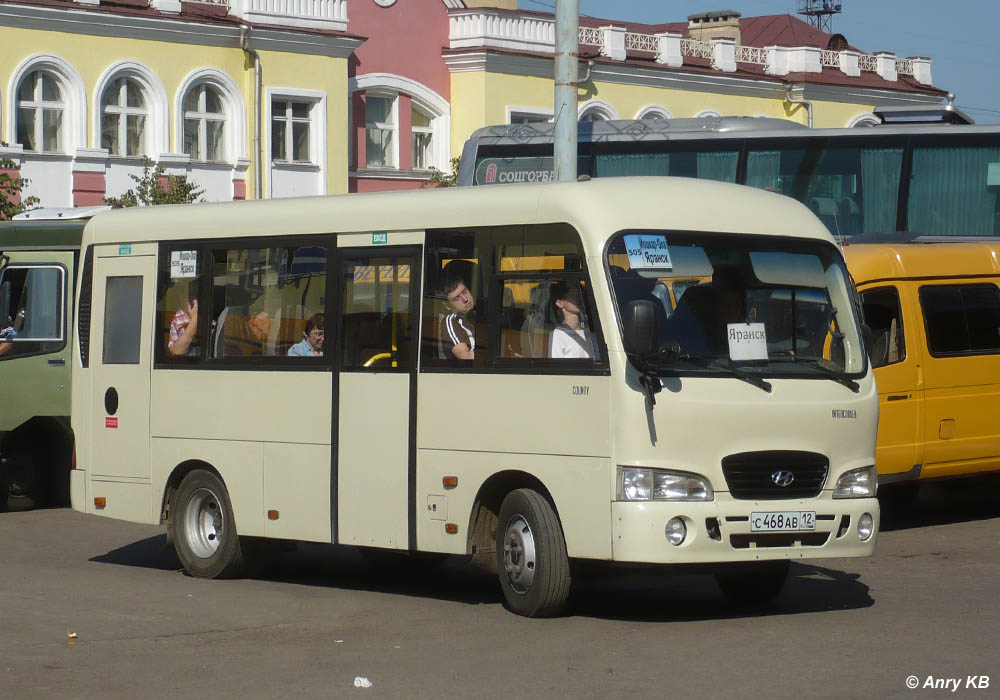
(760, 304)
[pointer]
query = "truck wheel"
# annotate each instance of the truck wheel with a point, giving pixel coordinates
(203, 528)
(531, 556)
(752, 583)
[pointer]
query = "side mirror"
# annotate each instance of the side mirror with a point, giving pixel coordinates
(639, 327)
(868, 338)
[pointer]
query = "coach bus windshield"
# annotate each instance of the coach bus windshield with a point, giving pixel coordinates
(753, 303)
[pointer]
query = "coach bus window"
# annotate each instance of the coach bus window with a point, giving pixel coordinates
(177, 310)
(122, 320)
(31, 320)
(262, 299)
(851, 190)
(952, 192)
(377, 328)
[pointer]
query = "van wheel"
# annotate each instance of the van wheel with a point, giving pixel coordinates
(203, 528)
(23, 484)
(531, 556)
(752, 583)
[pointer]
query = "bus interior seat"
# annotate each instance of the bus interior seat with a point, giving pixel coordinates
(881, 322)
(825, 208)
(512, 319)
(850, 215)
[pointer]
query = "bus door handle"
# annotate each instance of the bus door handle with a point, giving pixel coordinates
(57, 363)
(897, 397)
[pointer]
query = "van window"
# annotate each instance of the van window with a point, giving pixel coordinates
(961, 318)
(883, 315)
(31, 310)
(180, 321)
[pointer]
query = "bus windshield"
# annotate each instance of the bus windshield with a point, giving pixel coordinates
(748, 302)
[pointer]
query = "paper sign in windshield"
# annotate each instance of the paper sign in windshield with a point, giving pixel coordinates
(747, 341)
(183, 263)
(647, 252)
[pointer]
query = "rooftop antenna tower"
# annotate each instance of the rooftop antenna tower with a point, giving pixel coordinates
(819, 13)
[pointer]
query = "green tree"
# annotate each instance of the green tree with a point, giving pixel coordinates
(10, 189)
(441, 179)
(150, 190)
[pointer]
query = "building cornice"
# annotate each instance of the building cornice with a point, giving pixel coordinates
(536, 66)
(178, 31)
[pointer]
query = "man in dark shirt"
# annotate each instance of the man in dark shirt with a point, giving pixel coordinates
(458, 330)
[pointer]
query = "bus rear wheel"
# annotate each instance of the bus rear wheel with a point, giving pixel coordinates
(752, 583)
(531, 556)
(203, 528)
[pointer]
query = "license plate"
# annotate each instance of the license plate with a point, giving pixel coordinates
(794, 520)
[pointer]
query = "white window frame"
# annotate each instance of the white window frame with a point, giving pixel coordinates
(234, 135)
(598, 107)
(392, 127)
(290, 120)
(73, 95)
(123, 111)
(157, 135)
(708, 113)
(203, 117)
(427, 130)
(663, 112)
(318, 144)
(426, 99)
(536, 114)
(865, 119)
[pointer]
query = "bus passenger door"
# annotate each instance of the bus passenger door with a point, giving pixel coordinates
(121, 349)
(375, 465)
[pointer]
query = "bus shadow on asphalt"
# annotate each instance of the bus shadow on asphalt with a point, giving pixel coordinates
(654, 594)
(945, 503)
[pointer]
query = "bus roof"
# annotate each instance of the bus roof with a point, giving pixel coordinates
(600, 207)
(38, 235)
(870, 262)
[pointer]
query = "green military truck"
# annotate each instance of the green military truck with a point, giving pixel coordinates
(39, 258)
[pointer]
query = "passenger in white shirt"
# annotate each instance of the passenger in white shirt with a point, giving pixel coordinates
(570, 339)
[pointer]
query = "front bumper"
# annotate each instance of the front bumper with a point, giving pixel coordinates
(719, 531)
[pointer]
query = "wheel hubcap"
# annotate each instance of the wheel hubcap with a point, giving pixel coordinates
(204, 523)
(519, 554)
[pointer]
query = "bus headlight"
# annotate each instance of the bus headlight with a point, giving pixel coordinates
(662, 485)
(857, 483)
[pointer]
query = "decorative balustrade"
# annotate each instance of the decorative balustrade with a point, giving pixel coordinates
(868, 63)
(591, 36)
(640, 42)
(477, 28)
(314, 14)
(751, 54)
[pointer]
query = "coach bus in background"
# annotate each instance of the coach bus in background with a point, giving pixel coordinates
(39, 259)
(925, 175)
(498, 379)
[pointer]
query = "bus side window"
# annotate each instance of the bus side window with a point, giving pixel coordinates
(31, 314)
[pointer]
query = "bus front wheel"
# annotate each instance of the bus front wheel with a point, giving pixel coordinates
(531, 556)
(203, 528)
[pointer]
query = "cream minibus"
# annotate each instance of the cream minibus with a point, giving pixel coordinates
(482, 371)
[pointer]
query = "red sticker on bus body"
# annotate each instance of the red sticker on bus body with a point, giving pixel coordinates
(111, 422)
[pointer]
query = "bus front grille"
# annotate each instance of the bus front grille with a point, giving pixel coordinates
(775, 474)
(762, 540)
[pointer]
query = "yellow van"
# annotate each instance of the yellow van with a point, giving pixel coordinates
(934, 311)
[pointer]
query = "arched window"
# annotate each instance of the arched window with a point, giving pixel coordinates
(868, 119)
(124, 113)
(708, 113)
(40, 110)
(653, 112)
(596, 111)
(205, 123)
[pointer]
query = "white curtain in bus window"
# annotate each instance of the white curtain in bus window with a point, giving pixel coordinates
(951, 193)
(623, 164)
(122, 320)
(263, 299)
(880, 172)
(377, 331)
(30, 310)
(719, 166)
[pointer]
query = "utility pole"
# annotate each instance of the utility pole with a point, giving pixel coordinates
(567, 45)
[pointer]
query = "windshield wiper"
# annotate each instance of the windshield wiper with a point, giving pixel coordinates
(833, 374)
(743, 375)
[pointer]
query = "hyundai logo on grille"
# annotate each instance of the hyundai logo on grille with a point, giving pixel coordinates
(782, 478)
